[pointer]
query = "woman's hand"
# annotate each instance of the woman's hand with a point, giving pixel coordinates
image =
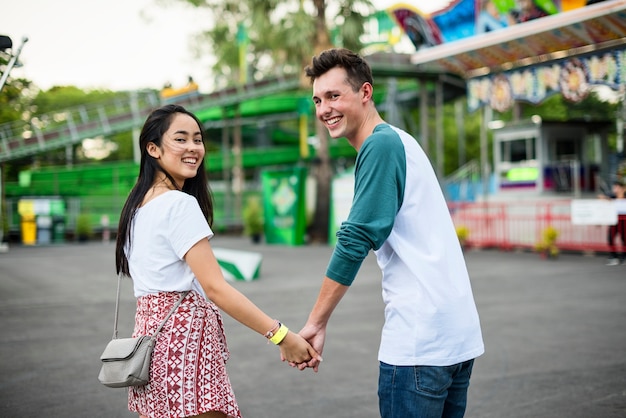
(296, 350)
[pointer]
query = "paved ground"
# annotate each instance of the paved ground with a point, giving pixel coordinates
(555, 333)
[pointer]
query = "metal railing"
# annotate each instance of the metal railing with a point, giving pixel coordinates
(69, 126)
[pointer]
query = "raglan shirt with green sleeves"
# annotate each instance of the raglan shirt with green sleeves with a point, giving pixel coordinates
(400, 212)
(380, 173)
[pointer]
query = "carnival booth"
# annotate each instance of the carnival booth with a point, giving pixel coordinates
(547, 158)
(509, 52)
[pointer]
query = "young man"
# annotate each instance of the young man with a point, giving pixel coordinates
(432, 332)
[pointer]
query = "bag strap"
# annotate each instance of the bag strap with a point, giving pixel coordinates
(182, 296)
(117, 308)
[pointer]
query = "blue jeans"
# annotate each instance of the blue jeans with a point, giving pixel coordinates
(423, 391)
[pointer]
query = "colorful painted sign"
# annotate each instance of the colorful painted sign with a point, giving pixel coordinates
(465, 18)
(573, 78)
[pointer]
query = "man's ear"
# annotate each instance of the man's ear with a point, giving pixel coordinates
(153, 150)
(367, 90)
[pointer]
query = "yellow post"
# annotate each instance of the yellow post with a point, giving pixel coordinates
(303, 111)
(304, 134)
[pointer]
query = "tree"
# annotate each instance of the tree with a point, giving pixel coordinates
(14, 104)
(557, 108)
(14, 99)
(15, 95)
(279, 38)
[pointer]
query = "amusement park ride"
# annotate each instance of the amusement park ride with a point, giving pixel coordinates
(497, 53)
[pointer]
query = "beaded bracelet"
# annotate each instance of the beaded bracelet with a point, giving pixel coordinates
(280, 335)
(269, 334)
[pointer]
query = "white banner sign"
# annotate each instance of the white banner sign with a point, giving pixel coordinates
(594, 212)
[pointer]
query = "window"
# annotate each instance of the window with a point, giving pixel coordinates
(518, 150)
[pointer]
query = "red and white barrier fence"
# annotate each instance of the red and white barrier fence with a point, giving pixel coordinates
(521, 224)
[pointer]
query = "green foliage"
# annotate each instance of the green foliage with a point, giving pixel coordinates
(15, 94)
(14, 99)
(61, 98)
(278, 34)
(557, 108)
(471, 128)
(462, 232)
(253, 216)
(4, 222)
(84, 229)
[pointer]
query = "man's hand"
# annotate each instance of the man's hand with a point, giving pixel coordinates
(295, 349)
(315, 336)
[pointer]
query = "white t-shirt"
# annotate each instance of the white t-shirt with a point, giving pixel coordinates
(163, 230)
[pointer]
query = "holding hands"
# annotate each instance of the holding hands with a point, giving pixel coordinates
(313, 337)
(296, 350)
(293, 348)
(314, 331)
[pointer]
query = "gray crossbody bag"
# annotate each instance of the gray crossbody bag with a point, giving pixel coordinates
(126, 361)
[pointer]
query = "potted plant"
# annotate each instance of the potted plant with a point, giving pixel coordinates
(84, 229)
(253, 222)
(547, 247)
(462, 232)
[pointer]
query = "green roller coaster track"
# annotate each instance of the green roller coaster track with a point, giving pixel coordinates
(101, 188)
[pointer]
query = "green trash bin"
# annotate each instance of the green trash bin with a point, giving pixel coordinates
(58, 228)
(284, 205)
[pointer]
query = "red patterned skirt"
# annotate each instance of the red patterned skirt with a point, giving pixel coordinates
(188, 370)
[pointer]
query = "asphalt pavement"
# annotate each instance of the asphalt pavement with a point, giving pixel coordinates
(554, 330)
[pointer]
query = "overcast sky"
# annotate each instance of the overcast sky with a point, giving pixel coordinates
(110, 44)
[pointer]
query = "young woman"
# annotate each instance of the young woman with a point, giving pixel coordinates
(163, 245)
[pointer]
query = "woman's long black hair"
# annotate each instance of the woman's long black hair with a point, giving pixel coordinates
(157, 123)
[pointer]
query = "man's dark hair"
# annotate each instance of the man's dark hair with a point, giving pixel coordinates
(356, 67)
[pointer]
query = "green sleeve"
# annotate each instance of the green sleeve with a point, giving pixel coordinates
(380, 175)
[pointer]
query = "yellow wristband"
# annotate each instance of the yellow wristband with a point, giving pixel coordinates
(279, 335)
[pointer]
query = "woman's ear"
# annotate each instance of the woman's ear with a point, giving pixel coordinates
(153, 150)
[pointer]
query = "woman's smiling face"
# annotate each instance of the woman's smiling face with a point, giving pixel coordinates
(181, 150)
